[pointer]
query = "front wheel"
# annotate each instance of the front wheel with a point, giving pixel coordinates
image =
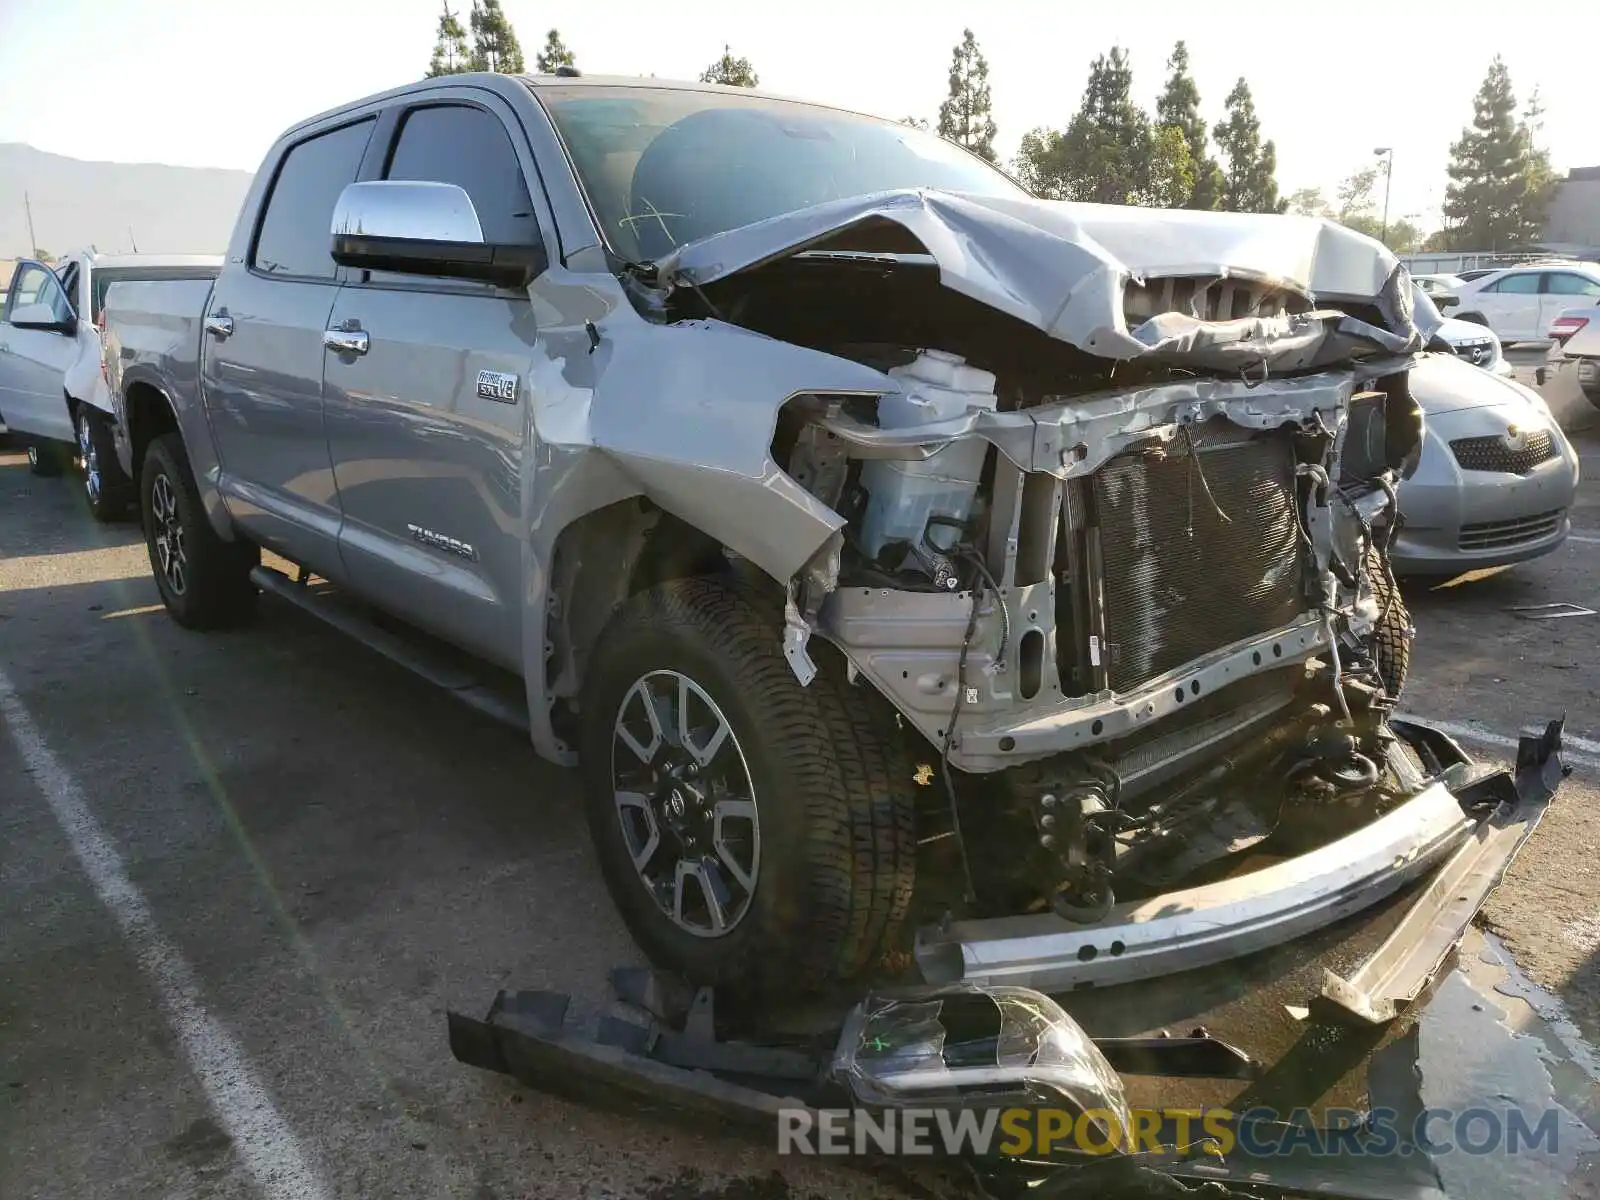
(754, 834)
(1391, 638)
(204, 581)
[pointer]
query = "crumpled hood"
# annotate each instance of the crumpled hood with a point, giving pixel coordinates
(1064, 267)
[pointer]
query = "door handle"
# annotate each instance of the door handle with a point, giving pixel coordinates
(346, 341)
(219, 326)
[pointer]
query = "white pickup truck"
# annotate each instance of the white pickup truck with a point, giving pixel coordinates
(52, 388)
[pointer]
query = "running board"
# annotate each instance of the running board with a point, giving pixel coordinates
(442, 667)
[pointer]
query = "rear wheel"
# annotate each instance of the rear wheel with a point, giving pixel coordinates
(44, 458)
(754, 834)
(204, 581)
(106, 489)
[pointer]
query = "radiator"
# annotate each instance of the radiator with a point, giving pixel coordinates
(1179, 580)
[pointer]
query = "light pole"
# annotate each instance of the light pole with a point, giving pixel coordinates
(1387, 154)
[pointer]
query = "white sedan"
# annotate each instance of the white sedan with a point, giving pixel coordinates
(1519, 303)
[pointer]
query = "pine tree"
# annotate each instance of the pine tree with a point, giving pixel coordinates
(734, 72)
(450, 53)
(1251, 165)
(965, 117)
(1500, 180)
(555, 54)
(1107, 145)
(494, 42)
(1179, 107)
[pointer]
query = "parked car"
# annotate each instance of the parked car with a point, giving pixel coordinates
(1497, 477)
(1476, 344)
(52, 389)
(1519, 303)
(842, 510)
(1441, 289)
(1576, 333)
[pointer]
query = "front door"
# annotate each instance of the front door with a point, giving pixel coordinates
(262, 357)
(426, 405)
(38, 342)
(1511, 305)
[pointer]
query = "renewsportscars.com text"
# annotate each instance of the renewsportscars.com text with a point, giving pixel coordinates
(1255, 1132)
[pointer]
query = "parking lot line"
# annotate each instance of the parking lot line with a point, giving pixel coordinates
(1588, 752)
(266, 1145)
(1584, 538)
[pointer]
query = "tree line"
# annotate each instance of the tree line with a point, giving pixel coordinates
(493, 46)
(1112, 151)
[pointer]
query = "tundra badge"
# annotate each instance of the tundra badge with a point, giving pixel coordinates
(497, 386)
(440, 542)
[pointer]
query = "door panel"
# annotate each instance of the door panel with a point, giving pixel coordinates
(428, 465)
(1512, 306)
(429, 471)
(263, 393)
(33, 362)
(262, 357)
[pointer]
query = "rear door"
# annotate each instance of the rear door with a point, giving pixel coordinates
(34, 359)
(1511, 304)
(426, 422)
(1561, 290)
(262, 354)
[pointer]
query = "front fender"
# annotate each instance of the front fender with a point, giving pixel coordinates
(689, 410)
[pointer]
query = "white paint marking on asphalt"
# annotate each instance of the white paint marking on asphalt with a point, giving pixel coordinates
(1586, 540)
(268, 1148)
(1588, 756)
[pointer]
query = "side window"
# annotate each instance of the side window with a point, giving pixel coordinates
(295, 236)
(1566, 283)
(36, 285)
(1524, 284)
(469, 148)
(25, 285)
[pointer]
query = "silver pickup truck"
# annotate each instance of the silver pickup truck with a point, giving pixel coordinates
(894, 553)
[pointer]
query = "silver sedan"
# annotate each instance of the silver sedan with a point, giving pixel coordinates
(1497, 476)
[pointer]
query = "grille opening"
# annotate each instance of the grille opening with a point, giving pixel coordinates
(1492, 454)
(1499, 535)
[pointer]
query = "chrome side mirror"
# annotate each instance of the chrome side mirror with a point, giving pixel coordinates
(420, 228)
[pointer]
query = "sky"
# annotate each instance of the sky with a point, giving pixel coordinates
(211, 83)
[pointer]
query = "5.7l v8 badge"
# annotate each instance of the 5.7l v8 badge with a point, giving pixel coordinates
(497, 386)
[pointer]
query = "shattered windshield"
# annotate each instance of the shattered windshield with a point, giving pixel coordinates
(667, 166)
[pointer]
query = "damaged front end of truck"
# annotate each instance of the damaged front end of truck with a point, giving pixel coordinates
(1102, 510)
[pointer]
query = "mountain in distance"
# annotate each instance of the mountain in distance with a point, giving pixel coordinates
(76, 204)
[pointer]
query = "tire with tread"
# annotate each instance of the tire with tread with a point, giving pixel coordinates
(833, 788)
(1391, 638)
(115, 490)
(44, 458)
(218, 592)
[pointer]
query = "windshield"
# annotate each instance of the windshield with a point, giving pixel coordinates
(664, 166)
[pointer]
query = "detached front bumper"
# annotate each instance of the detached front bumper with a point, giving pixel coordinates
(1469, 834)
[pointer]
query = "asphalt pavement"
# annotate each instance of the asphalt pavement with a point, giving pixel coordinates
(244, 875)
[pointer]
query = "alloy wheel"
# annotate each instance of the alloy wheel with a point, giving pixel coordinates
(90, 457)
(685, 803)
(168, 531)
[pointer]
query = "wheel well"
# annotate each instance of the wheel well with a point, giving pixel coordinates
(149, 415)
(601, 560)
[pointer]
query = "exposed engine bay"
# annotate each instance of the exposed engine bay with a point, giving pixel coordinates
(1138, 611)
